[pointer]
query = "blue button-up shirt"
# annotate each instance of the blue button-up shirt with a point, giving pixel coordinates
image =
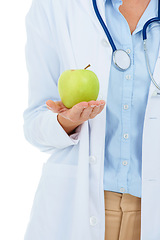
(127, 100)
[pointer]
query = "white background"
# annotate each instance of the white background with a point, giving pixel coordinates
(20, 162)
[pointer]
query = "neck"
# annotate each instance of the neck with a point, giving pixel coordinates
(132, 10)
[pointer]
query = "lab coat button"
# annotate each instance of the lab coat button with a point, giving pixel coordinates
(154, 94)
(92, 160)
(104, 42)
(93, 221)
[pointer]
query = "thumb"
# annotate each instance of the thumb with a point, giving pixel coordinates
(53, 106)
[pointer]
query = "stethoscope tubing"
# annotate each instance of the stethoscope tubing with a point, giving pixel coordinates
(104, 26)
(148, 66)
(156, 19)
(114, 48)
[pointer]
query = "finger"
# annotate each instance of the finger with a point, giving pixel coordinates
(97, 107)
(56, 106)
(86, 113)
(96, 103)
(96, 111)
(76, 111)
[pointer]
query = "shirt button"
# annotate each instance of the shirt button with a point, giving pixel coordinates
(92, 160)
(93, 221)
(128, 77)
(128, 51)
(105, 42)
(125, 163)
(126, 136)
(125, 106)
(122, 190)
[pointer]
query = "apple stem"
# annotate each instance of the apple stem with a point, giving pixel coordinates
(87, 66)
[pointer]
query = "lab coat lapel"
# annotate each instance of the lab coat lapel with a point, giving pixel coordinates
(97, 127)
(151, 164)
(88, 7)
(153, 100)
(151, 132)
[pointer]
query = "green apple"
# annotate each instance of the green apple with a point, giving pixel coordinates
(79, 85)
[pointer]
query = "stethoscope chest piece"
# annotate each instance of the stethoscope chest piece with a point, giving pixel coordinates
(121, 59)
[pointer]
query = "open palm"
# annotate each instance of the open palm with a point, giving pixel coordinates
(79, 112)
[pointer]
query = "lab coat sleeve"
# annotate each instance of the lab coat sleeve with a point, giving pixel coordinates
(41, 127)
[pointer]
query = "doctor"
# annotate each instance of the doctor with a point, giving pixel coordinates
(102, 179)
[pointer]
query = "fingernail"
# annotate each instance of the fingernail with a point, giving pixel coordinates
(93, 105)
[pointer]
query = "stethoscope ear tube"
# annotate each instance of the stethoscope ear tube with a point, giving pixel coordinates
(148, 65)
(156, 19)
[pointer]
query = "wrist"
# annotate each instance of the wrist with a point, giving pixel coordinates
(67, 124)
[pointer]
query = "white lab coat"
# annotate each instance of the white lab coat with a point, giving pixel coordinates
(69, 201)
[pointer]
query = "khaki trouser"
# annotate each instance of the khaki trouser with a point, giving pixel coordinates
(122, 216)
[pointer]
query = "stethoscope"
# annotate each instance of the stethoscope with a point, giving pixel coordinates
(121, 58)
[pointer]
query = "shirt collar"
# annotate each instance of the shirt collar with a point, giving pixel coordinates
(116, 3)
(150, 12)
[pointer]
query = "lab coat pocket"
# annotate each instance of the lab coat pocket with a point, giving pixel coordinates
(60, 182)
(60, 170)
(153, 108)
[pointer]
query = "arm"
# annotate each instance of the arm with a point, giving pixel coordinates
(60, 127)
(41, 127)
(67, 125)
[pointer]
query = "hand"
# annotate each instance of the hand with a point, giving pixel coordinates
(79, 113)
